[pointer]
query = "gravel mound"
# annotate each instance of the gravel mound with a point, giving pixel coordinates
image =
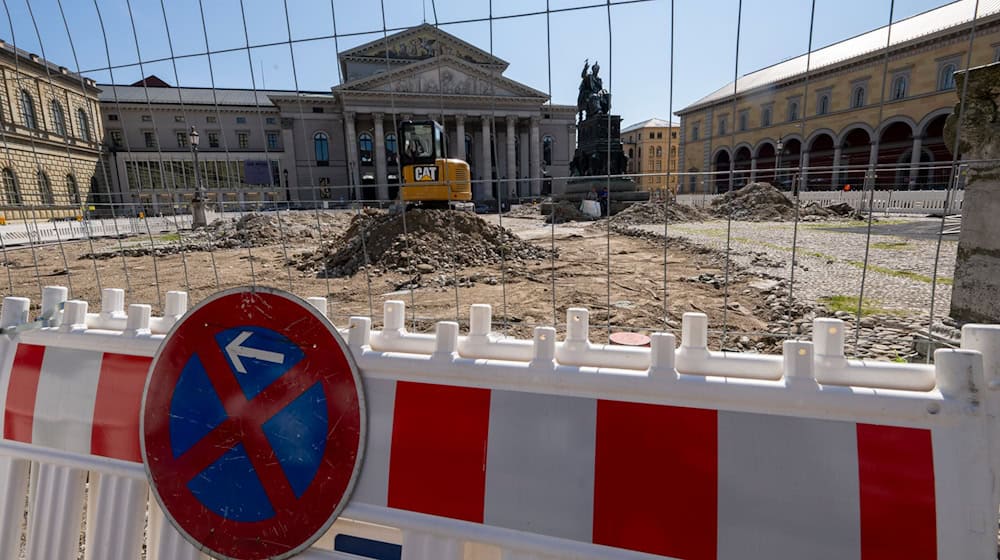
(755, 202)
(434, 240)
(655, 213)
(564, 211)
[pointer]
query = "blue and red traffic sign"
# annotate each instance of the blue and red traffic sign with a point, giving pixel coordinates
(253, 425)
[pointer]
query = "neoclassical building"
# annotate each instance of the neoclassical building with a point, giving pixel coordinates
(50, 131)
(339, 145)
(652, 147)
(846, 127)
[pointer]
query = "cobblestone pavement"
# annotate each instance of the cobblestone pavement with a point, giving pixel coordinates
(830, 263)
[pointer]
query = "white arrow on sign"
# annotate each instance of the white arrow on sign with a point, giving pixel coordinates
(236, 350)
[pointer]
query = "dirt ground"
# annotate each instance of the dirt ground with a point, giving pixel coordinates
(521, 293)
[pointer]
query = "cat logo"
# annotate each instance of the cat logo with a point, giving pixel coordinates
(425, 173)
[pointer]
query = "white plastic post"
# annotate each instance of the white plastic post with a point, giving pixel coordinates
(798, 361)
(694, 331)
(959, 374)
(14, 311)
(577, 324)
(544, 349)
(828, 337)
(74, 316)
(176, 305)
(320, 304)
(985, 339)
(662, 348)
(113, 303)
(393, 316)
(359, 331)
(137, 323)
(52, 298)
(446, 340)
(480, 319)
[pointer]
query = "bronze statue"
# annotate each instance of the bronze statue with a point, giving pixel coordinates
(593, 99)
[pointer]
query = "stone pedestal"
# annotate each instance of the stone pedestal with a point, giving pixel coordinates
(977, 267)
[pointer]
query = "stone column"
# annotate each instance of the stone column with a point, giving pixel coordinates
(380, 170)
(289, 162)
(460, 137)
(835, 176)
(351, 143)
(536, 157)
(524, 163)
(511, 157)
(918, 142)
(486, 167)
(753, 169)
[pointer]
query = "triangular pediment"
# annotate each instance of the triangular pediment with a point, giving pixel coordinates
(420, 43)
(446, 75)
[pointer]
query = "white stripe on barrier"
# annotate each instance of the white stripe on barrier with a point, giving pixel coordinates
(67, 390)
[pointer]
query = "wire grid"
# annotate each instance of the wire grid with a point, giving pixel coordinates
(128, 229)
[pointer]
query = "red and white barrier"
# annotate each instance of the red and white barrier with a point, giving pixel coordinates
(545, 448)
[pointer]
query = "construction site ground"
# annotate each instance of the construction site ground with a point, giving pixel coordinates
(588, 269)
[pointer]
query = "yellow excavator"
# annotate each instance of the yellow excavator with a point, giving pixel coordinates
(430, 178)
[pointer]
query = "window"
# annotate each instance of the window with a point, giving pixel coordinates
(241, 120)
(659, 151)
(270, 120)
(317, 109)
(673, 134)
(858, 97)
(147, 118)
(150, 139)
(11, 192)
(744, 121)
(673, 152)
(946, 77)
(321, 146)
(765, 116)
(28, 109)
(213, 139)
(58, 118)
(178, 118)
(210, 119)
(116, 138)
(652, 135)
(996, 54)
(72, 189)
(391, 148)
(692, 181)
(547, 143)
(272, 140)
(899, 87)
(112, 117)
(793, 111)
(722, 126)
(243, 139)
(694, 131)
(45, 189)
(365, 144)
(84, 124)
(823, 105)
(659, 135)
(182, 139)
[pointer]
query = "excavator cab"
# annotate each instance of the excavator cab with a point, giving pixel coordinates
(430, 177)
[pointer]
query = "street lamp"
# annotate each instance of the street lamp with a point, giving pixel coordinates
(778, 150)
(198, 218)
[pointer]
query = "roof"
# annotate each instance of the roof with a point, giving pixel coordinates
(650, 123)
(55, 70)
(193, 96)
(152, 81)
(921, 25)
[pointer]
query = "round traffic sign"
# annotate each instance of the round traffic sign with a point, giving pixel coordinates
(253, 425)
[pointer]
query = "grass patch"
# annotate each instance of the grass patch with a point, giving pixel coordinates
(890, 245)
(909, 275)
(856, 223)
(850, 305)
(170, 237)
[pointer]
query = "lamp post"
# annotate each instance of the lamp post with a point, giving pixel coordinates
(198, 218)
(778, 150)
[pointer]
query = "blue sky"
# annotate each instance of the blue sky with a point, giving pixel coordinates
(634, 56)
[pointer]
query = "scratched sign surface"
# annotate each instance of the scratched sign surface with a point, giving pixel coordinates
(253, 425)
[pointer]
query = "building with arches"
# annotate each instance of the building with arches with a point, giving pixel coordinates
(50, 132)
(831, 121)
(652, 147)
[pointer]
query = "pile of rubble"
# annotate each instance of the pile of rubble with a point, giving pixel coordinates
(563, 211)
(652, 212)
(760, 202)
(421, 241)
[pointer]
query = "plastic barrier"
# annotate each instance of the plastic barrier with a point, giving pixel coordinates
(483, 447)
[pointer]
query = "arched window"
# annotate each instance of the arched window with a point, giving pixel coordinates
(10, 190)
(391, 148)
(58, 118)
(365, 145)
(659, 151)
(824, 105)
(468, 149)
(793, 111)
(321, 146)
(946, 77)
(84, 124)
(72, 189)
(673, 152)
(858, 97)
(45, 189)
(899, 87)
(28, 109)
(547, 143)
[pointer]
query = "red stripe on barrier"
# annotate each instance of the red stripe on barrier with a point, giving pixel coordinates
(437, 464)
(22, 390)
(896, 477)
(115, 431)
(656, 479)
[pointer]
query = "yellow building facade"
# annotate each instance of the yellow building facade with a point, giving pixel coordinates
(653, 148)
(826, 111)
